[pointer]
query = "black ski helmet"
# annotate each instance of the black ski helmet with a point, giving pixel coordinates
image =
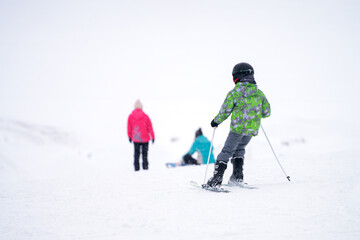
(242, 69)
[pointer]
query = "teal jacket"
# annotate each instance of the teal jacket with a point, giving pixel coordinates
(202, 146)
(247, 105)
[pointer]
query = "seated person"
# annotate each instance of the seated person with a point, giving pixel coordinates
(201, 145)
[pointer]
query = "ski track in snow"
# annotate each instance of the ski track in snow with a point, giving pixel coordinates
(61, 194)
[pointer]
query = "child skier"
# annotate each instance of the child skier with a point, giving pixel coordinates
(248, 105)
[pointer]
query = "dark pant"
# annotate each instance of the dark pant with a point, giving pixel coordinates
(188, 159)
(143, 149)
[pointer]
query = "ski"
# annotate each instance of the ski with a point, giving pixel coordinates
(242, 185)
(212, 189)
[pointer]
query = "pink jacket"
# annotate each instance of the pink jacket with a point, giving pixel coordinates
(140, 127)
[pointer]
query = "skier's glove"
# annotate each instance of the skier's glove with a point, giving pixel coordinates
(153, 141)
(130, 140)
(214, 124)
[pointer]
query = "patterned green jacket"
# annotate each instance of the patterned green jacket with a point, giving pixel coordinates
(248, 105)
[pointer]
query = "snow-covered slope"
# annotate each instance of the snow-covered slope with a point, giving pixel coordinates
(51, 188)
(78, 66)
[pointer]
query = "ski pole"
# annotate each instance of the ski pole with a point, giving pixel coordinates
(207, 164)
(288, 177)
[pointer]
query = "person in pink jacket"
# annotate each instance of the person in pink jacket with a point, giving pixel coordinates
(140, 132)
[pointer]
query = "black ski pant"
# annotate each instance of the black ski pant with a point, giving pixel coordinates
(188, 159)
(141, 148)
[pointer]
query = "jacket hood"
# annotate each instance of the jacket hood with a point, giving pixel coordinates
(246, 89)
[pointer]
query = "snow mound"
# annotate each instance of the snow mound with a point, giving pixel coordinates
(19, 130)
(36, 151)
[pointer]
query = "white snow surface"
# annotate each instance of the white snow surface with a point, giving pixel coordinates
(56, 185)
(70, 72)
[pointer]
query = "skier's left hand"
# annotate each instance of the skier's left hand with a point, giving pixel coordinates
(153, 141)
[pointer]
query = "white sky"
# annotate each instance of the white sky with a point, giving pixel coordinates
(84, 63)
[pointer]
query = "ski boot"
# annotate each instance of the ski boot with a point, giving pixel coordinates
(215, 181)
(236, 179)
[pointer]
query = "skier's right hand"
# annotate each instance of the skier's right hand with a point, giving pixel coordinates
(130, 140)
(214, 124)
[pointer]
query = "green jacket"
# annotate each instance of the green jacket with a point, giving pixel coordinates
(248, 105)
